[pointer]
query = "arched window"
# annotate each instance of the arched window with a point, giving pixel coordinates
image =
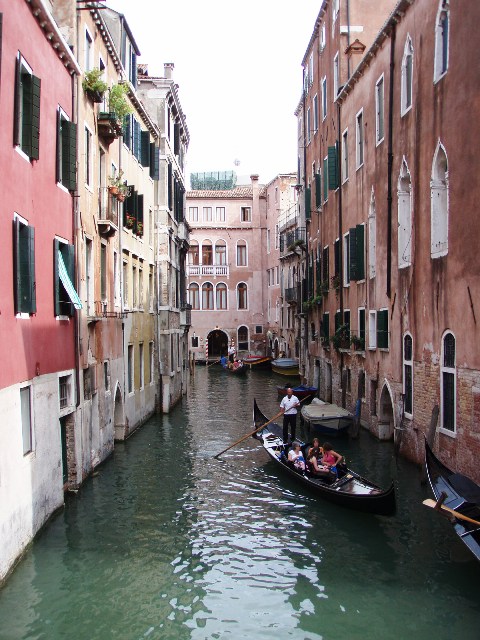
(220, 252)
(242, 296)
(439, 204)
(241, 253)
(407, 76)
(372, 238)
(221, 294)
(448, 384)
(193, 255)
(404, 218)
(207, 296)
(242, 338)
(194, 295)
(408, 374)
(207, 252)
(442, 29)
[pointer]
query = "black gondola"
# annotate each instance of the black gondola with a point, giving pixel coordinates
(462, 495)
(349, 489)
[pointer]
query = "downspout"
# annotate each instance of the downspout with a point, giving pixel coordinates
(390, 163)
(76, 232)
(340, 225)
(305, 135)
(348, 38)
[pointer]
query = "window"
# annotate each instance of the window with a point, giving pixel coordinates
(88, 156)
(24, 267)
(221, 294)
(141, 365)
(221, 253)
(130, 368)
(193, 253)
(407, 76)
(194, 341)
(220, 214)
(325, 179)
(346, 259)
(356, 253)
(245, 214)
(372, 329)
(66, 151)
(372, 238)
(66, 299)
(151, 362)
(207, 253)
(242, 296)
(242, 338)
(310, 70)
(325, 329)
(359, 146)
(103, 272)
(345, 156)
(315, 113)
(404, 218)
(258, 328)
(382, 329)
(106, 376)
(193, 214)
(134, 287)
(408, 374)
(125, 284)
(379, 110)
(26, 132)
(88, 51)
(194, 296)
(361, 328)
(26, 416)
(151, 296)
(309, 126)
(268, 240)
(241, 253)
(89, 382)
(207, 296)
(207, 214)
(325, 267)
(441, 40)
(318, 189)
(439, 204)
(324, 97)
(140, 287)
(448, 384)
(323, 37)
(336, 76)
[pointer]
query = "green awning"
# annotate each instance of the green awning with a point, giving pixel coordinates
(67, 283)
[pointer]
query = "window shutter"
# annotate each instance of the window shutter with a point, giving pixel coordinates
(154, 162)
(134, 70)
(140, 207)
(35, 133)
(338, 320)
(17, 268)
(169, 186)
(31, 269)
(127, 131)
(145, 149)
(318, 190)
(382, 329)
(360, 229)
(68, 255)
(337, 257)
(325, 327)
(56, 280)
(308, 203)
(129, 205)
(176, 138)
(325, 180)
(58, 172)
(325, 274)
(352, 239)
(16, 118)
(332, 168)
(69, 155)
(282, 241)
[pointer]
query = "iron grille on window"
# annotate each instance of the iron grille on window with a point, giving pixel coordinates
(449, 351)
(63, 391)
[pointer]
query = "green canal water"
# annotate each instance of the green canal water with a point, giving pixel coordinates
(168, 543)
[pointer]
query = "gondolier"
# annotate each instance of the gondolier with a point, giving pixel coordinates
(288, 407)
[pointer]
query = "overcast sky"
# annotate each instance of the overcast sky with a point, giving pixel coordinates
(238, 67)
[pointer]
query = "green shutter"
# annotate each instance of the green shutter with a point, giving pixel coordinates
(16, 266)
(16, 116)
(318, 190)
(69, 155)
(308, 203)
(352, 240)
(337, 257)
(382, 329)
(56, 280)
(32, 285)
(129, 205)
(133, 73)
(127, 131)
(24, 256)
(68, 255)
(325, 270)
(145, 148)
(325, 180)
(138, 140)
(360, 251)
(325, 327)
(169, 186)
(338, 320)
(140, 207)
(154, 162)
(332, 168)
(58, 168)
(361, 324)
(35, 133)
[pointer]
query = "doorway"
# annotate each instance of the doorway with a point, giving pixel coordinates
(217, 344)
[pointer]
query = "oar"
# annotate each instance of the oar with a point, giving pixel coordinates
(212, 363)
(256, 430)
(248, 435)
(438, 506)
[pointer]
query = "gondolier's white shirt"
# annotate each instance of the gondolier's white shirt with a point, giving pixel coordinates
(289, 405)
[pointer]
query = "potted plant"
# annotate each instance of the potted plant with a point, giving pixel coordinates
(335, 280)
(358, 342)
(123, 191)
(94, 85)
(117, 101)
(118, 187)
(139, 228)
(341, 337)
(130, 221)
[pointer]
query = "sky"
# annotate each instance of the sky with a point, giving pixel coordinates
(238, 67)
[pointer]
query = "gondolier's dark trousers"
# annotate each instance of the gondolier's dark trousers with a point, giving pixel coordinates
(290, 419)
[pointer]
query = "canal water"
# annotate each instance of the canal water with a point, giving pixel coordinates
(169, 543)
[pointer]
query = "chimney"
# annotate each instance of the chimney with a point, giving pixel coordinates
(168, 68)
(255, 197)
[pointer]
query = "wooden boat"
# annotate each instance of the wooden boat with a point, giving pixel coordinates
(348, 490)
(301, 391)
(258, 362)
(326, 419)
(239, 371)
(463, 496)
(285, 366)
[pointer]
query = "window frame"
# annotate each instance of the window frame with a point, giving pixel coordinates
(360, 139)
(242, 296)
(450, 371)
(442, 48)
(407, 363)
(244, 247)
(372, 330)
(345, 174)
(27, 103)
(380, 110)
(406, 93)
(24, 269)
(245, 214)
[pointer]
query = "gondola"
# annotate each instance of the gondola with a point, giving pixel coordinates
(463, 496)
(301, 391)
(258, 362)
(239, 371)
(348, 490)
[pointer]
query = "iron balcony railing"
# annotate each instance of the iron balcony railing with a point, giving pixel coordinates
(107, 206)
(292, 239)
(212, 270)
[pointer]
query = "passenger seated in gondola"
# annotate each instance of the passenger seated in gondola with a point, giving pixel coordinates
(295, 456)
(237, 364)
(331, 458)
(314, 457)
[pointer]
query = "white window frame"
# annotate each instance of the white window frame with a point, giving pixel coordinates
(207, 214)
(88, 156)
(405, 219)
(245, 214)
(372, 238)
(336, 76)
(372, 330)
(220, 214)
(309, 126)
(380, 110)
(141, 362)
(324, 98)
(360, 139)
(345, 155)
(439, 211)
(346, 259)
(193, 214)
(407, 363)
(438, 71)
(28, 447)
(407, 83)
(451, 370)
(88, 49)
(246, 253)
(130, 370)
(315, 113)
(323, 36)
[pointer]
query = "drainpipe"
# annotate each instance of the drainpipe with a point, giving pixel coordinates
(390, 163)
(340, 224)
(348, 37)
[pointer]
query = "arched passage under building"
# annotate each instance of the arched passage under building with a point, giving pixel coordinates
(217, 344)
(386, 418)
(119, 415)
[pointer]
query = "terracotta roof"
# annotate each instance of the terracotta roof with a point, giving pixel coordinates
(237, 192)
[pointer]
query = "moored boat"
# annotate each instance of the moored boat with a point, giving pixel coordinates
(239, 370)
(301, 391)
(326, 419)
(258, 362)
(348, 489)
(285, 366)
(462, 496)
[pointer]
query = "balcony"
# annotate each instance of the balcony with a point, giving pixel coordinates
(109, 126)
(107, 213)
(210, 270)
(291, 295)
(185, 314)
(292, 241)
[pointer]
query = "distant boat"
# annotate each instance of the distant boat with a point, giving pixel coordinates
(236, 371)
(258, 362)
(301, 391)
(326, 419)
(286, 366)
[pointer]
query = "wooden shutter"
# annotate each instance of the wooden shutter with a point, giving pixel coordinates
(24, 256)
(308, 203)
(169, 186)
(140, 208)
(325, 327)
(35, 133)
(382, 329)
(360, 232)
(17, 285)
(352, 240)
(176, 139)
(338, 320)
(154, 162)
(56, 280)
(318, 190)
(16, 116)
(69, 155)
(325, 180)
(68, 255)
(129, 205)
(145, 148)
(133, 72)
(127, 131)
(58, 168)
(325, 273)
(332, 168)
(337, 257)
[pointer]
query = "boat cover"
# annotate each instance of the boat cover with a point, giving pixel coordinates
(319, 409)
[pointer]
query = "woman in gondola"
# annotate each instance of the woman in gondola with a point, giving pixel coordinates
(331, 458)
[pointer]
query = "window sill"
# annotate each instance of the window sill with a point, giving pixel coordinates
(63, 318)
(447, 432)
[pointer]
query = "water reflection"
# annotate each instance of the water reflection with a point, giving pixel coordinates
(168, 542)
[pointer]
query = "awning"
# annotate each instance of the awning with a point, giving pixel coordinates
(67, 283)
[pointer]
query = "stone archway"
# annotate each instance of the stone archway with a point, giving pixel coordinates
(386, 416)
(119, 416)
(217, 344)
